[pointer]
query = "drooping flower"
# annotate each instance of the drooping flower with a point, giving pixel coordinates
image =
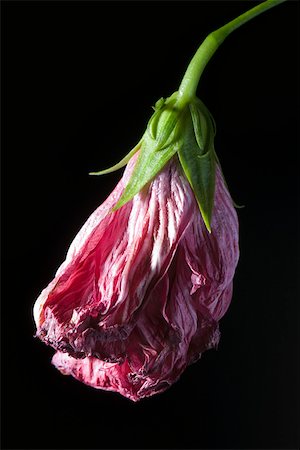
(142, 289)
(148, 277)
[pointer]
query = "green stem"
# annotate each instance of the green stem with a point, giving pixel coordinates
(188, 86)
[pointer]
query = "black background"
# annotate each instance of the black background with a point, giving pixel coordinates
(78, 82)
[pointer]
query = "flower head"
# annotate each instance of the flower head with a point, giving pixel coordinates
(148, 277)
(142, 288)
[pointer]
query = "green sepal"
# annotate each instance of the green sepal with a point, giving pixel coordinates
(152, 124)
(148, 164)
(123, 161)
(197, 158)
(163, 134)
(202, 119)
(200, 127)
(163, 122)
(159, 104)
(168, 127)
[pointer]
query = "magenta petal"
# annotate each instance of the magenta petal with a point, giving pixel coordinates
(142, 289)
(111, 265)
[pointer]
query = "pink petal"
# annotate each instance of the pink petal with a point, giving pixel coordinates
(118, 257)
(142, 289)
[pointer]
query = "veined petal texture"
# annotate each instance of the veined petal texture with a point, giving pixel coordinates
(142, 288)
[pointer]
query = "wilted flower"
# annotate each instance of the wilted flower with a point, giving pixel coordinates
(142, 289)
(149, 276)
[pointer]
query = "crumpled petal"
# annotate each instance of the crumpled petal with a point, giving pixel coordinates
(142, 289)
(112, 263)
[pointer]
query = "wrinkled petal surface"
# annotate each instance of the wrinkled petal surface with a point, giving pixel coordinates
(143, 288)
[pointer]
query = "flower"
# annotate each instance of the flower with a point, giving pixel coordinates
(148, 277)
(143, 287)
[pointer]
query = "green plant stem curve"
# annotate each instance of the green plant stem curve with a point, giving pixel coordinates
(188, 86)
